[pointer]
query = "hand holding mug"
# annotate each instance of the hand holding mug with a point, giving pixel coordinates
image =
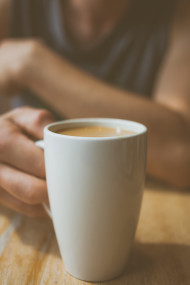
(22, 170)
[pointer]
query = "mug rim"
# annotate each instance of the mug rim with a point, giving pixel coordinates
(137, 127)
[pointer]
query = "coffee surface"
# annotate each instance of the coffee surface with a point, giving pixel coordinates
(96, 131)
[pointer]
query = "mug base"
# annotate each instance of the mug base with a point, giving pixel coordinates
(96, 279)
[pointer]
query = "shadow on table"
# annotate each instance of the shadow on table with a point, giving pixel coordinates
(156, 264)
(39, 233)
(154, 185)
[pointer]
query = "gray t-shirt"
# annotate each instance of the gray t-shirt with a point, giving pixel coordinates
(128, 58)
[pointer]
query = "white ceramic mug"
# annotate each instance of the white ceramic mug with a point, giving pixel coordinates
(95, 187)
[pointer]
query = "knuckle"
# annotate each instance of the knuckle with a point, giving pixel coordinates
(40, 117)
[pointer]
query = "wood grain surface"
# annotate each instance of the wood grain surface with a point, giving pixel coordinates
(29, 253)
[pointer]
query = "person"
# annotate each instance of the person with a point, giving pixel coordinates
(92, 58)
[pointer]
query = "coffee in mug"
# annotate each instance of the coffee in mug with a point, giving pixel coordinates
(96, 131)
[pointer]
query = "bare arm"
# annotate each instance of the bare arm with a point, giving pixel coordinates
(75, 94)
(4, 18)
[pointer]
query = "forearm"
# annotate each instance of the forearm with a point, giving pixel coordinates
(73, 93)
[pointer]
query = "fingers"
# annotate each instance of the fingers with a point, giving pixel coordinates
(15, 204)
(31, 120)
(20, 152)
(24, 187)
(16, 148)
(21, 161)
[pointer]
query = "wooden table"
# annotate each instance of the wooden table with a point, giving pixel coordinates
(160, 256)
